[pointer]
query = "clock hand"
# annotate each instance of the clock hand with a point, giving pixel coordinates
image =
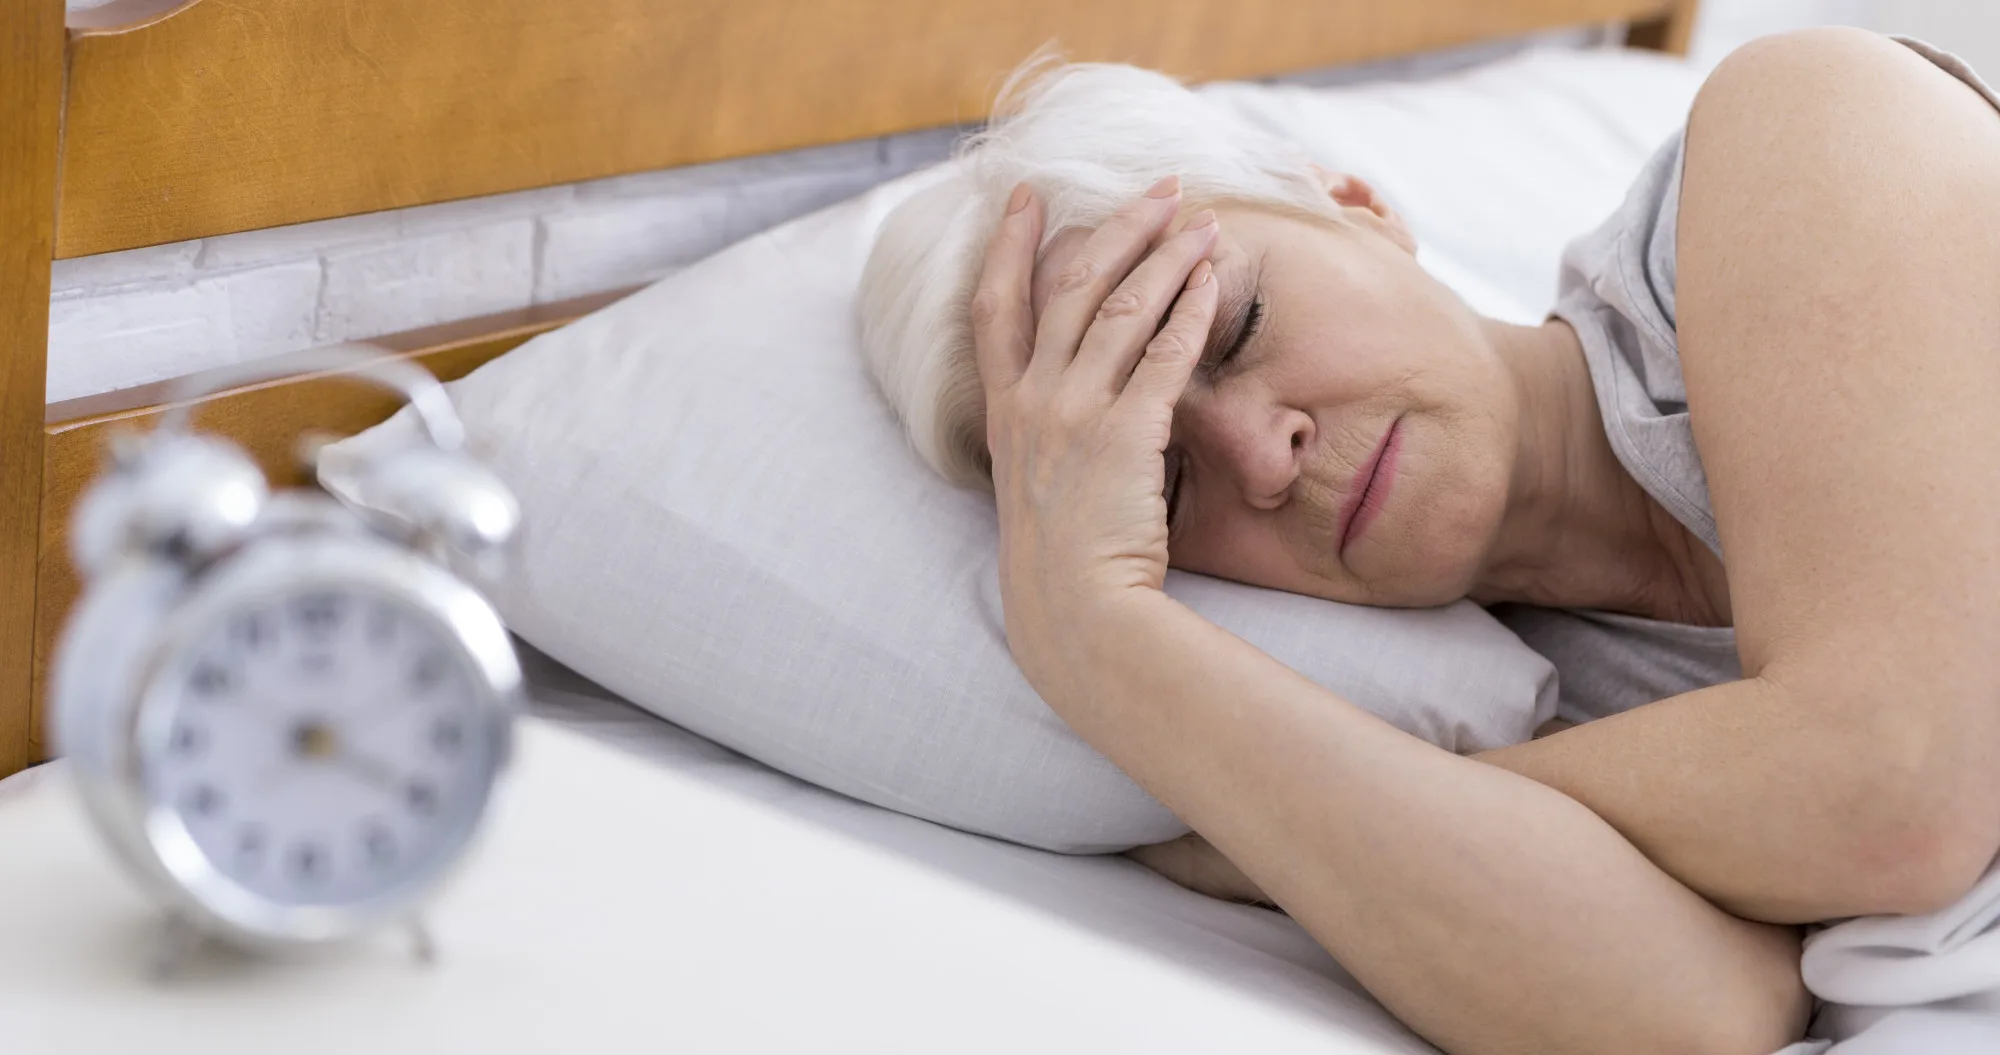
(373, 770)
(320, 741)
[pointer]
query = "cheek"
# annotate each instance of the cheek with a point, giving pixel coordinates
(1451, 496)
(1329, 366)
(1248, 546)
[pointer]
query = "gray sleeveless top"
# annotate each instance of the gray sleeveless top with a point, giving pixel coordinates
(1617, 291)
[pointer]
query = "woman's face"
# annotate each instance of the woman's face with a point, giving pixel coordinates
(1349, 434)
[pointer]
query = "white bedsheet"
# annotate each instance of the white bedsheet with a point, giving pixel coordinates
(1251, 950)
(1925, 985)
(653, 891)
(692, 901)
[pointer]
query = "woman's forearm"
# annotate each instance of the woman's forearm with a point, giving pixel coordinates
(1772, 806)
(1489, 911)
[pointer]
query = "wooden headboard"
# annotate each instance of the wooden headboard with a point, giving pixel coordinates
(153, 121)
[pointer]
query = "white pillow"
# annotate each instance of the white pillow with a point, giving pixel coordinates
(1497, 167)
(727, 528)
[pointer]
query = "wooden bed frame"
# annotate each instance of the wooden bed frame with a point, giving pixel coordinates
(153, 121)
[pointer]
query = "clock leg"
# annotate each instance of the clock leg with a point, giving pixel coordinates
(422, 945)
(175, 940)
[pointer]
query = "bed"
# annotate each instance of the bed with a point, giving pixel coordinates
(144, 123)
(147, 122)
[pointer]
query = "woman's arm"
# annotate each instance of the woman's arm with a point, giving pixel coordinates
(1492, 913)
(1839, 301)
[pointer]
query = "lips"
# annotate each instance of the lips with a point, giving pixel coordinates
(1371, 486)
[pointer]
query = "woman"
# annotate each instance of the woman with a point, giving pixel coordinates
(1243, 371)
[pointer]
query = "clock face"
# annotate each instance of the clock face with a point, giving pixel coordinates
(322, 747)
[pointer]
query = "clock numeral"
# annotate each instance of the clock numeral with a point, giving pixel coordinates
(187, 740)
(429, 671)
(448, 735)
(309, 862)
(381, 625)
(249, 845)
(250, 631)
(422, 797)
(380, 845)
(318, 614)
(203, 800)
(209, 679)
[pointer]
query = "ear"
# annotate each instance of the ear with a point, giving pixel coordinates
(1354, 193)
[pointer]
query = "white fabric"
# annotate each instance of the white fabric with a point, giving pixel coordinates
(1498, 168)
(726, 528)
(703, 904)
(1898, 984)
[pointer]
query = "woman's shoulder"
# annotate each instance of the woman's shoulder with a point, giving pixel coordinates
(1777, 77)
(1620, 281)
(1628, 264)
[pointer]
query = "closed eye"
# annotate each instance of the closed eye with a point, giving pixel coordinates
(1252, 319)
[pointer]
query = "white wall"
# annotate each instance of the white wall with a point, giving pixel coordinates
(1725, 24)
(127, 318)
(1969, 27)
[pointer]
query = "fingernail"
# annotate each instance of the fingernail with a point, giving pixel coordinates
(1020, 199)
(1200, 220)
(1166, 188)
(1200, 275)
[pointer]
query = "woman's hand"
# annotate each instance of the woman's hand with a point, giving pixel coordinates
(1079, 407)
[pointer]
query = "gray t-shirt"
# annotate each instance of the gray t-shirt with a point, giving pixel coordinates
(1617, 291)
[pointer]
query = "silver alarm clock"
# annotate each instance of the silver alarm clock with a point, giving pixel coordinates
(286, 714)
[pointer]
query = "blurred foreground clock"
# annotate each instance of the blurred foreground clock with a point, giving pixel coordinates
(287, 714)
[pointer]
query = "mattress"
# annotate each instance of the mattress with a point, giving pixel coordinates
(1259, 953)
(642, 889)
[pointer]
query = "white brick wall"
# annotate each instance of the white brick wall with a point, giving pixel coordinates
(132, 333)
(608, 241)
(123, 319)
(431, 278)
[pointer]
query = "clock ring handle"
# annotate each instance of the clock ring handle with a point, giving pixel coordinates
(418, 387)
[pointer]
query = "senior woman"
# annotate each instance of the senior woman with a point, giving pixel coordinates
(1765, 401)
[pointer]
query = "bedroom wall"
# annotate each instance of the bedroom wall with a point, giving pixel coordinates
(128, 318)
(1969, 27)
(1725, 24)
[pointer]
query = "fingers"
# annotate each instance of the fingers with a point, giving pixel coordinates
(1003, 323)
(1132, 313)
(1163, 372)
(1105, 259)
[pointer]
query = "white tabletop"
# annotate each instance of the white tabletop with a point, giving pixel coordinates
(619, 905)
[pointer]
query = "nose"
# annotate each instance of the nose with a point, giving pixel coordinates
(1260, 448)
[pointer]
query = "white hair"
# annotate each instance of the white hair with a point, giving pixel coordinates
(1089, 138)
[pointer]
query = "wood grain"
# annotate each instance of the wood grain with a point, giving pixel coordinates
(228, 115)
(266, 418)
(1670, 32)
(31, 83)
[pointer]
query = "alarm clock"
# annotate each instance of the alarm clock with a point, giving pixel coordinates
(286, 714)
